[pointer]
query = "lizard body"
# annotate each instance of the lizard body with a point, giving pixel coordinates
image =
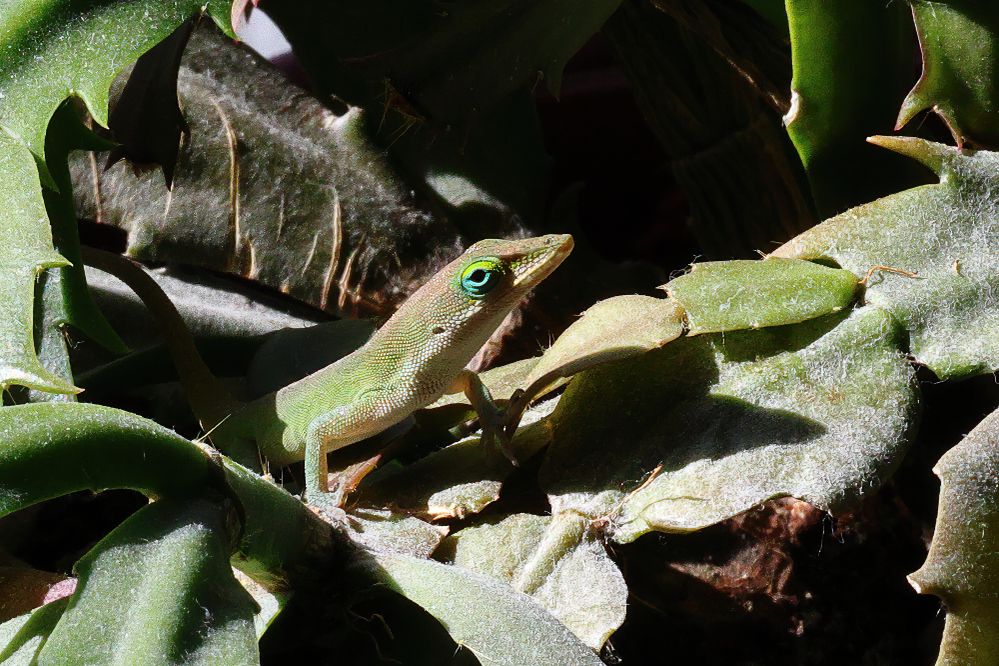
(417, 356)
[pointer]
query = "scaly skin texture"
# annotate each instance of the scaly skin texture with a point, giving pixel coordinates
(416, 357)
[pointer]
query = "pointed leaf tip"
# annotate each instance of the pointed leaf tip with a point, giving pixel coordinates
(930, 154)
(912, 105)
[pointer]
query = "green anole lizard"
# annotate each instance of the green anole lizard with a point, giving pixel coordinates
(419, 355)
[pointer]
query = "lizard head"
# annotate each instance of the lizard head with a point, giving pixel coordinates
(493, 271)
(449, 318)
(479, 288)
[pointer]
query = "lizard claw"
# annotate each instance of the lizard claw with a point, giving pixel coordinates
(495, 433)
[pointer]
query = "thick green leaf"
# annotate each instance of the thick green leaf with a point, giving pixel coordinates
(716, 424)
(55, 50)
(852, 62)
(279, 533)
(555, 559)
(61, 294)
(26, 250)
(22, 637)
(67, 134)
(50, 51)
(269, 603)
(499, 625)
(959, 40)
(50, 337)
(948, 235)
(49, 450)
(731, 295)
(962, 567)
(161, 591)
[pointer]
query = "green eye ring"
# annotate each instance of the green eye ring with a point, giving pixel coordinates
(480, 277)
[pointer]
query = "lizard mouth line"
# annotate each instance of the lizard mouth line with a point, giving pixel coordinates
(545, 260)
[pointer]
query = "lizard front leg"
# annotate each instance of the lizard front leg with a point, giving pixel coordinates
(317, 491)
(492, 418)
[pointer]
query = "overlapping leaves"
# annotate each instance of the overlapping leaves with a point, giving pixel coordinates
(933, 249)
(272, 185)
(658, 432)
(49, 52)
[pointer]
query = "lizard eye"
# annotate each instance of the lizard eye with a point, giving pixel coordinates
(479, 278)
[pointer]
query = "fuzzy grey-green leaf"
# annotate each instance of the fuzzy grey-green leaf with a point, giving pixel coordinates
(580, 585)
(948, 236)
(822, 411)
(500, 626)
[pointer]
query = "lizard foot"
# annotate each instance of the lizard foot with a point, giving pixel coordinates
(326, 506)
